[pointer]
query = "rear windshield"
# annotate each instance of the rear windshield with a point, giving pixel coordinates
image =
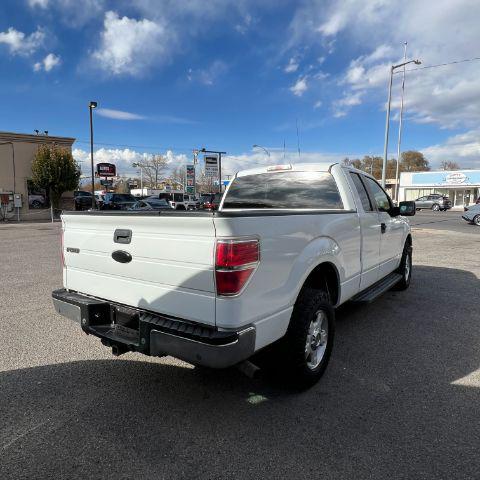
(316, 190)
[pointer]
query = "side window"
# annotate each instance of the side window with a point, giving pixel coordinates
(362, 193)
(422, 199)
(381, 198)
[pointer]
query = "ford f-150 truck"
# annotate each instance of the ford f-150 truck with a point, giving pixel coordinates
(258, 279)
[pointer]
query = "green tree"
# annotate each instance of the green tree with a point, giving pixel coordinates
(55, 170)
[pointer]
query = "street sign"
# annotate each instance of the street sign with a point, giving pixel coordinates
(190, 179)
(211, 165)
(107, 182)
(106, 170)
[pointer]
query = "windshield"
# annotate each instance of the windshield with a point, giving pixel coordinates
(315, 190)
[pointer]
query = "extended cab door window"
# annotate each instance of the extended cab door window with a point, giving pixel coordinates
(362, 193)
(380, 197)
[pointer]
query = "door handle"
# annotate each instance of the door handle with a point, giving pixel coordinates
(383, 227)
(122, 236)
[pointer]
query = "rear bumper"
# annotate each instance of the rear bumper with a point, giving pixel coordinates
(129, 329)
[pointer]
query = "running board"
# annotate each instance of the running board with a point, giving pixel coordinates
(377, 289)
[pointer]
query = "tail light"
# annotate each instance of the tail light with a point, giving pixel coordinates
(235, 262)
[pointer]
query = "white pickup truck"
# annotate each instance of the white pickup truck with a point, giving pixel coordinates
(257, 279)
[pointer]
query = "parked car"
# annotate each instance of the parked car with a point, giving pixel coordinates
(151, 203)
(260, 277)
(210, 201)
(83, 200)
(175, 199)
(118, 201)
(99, 199)
(472, 214)
(435, 202)
(191, 202)
(36, 200)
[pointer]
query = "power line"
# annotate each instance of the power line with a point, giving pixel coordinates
(442, 64)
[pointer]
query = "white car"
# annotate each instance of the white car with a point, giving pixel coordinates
(258, 279)
(472, 214)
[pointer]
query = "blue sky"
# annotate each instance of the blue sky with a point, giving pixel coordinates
(170, 76)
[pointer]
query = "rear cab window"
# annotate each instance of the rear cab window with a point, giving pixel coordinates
(284, 190)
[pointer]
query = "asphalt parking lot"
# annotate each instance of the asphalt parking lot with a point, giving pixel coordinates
(400, 398)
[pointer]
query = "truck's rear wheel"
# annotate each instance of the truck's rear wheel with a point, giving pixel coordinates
(302, 355)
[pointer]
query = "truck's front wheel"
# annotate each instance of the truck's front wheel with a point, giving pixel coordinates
(304, 351)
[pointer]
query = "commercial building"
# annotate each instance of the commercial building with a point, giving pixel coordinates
(461, 186)
(17, 151)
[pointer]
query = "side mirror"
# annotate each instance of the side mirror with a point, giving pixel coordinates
(407, 209)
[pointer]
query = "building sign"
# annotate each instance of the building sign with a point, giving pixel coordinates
(107, 182)
(211, 165)
(106, 170)
(446, 179)
(190, 179)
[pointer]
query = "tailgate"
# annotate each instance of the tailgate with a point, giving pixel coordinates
(171, 267)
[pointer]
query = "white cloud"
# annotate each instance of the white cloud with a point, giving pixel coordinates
(38, 3)
(341, 107)
(130, 47)
(463, 149)
(292, 65)
(20, 44)
(208, 76)
(72, 13)
(49, 62)
(444, 96)
(317, 104)
(123, 158)
(119, 114)
(299, 87)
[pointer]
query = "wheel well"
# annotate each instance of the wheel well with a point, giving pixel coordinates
(325, 276)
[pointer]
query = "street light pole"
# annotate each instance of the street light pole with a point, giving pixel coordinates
(263, 148)
(91, 106)
(387, 126)
(387, 122)
(400, 125)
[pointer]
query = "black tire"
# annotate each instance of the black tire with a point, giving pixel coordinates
(288, 360)
(406, 274)
(476, 220)
(435, 207)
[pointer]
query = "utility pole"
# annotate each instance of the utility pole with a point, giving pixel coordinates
(387, 122)
(91, 106)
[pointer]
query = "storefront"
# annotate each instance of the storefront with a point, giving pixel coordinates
(461, 186)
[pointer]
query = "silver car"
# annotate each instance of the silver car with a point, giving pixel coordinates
(434, 201)
(472, 214)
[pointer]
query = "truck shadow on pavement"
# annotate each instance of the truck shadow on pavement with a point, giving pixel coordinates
(400, 398)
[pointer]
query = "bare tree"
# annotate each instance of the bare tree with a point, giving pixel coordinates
(153, 169)
(447, 165)
(179, 174)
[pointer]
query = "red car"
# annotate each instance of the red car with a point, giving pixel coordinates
(210, 201)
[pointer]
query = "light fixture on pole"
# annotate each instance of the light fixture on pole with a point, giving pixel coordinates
(387, 122)
(263, 148)
(140, 166)
(91, 106)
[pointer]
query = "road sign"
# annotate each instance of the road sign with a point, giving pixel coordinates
(106, 170)
(211, 165)
(190, 180)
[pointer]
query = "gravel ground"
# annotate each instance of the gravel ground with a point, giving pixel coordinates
(400, 398)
